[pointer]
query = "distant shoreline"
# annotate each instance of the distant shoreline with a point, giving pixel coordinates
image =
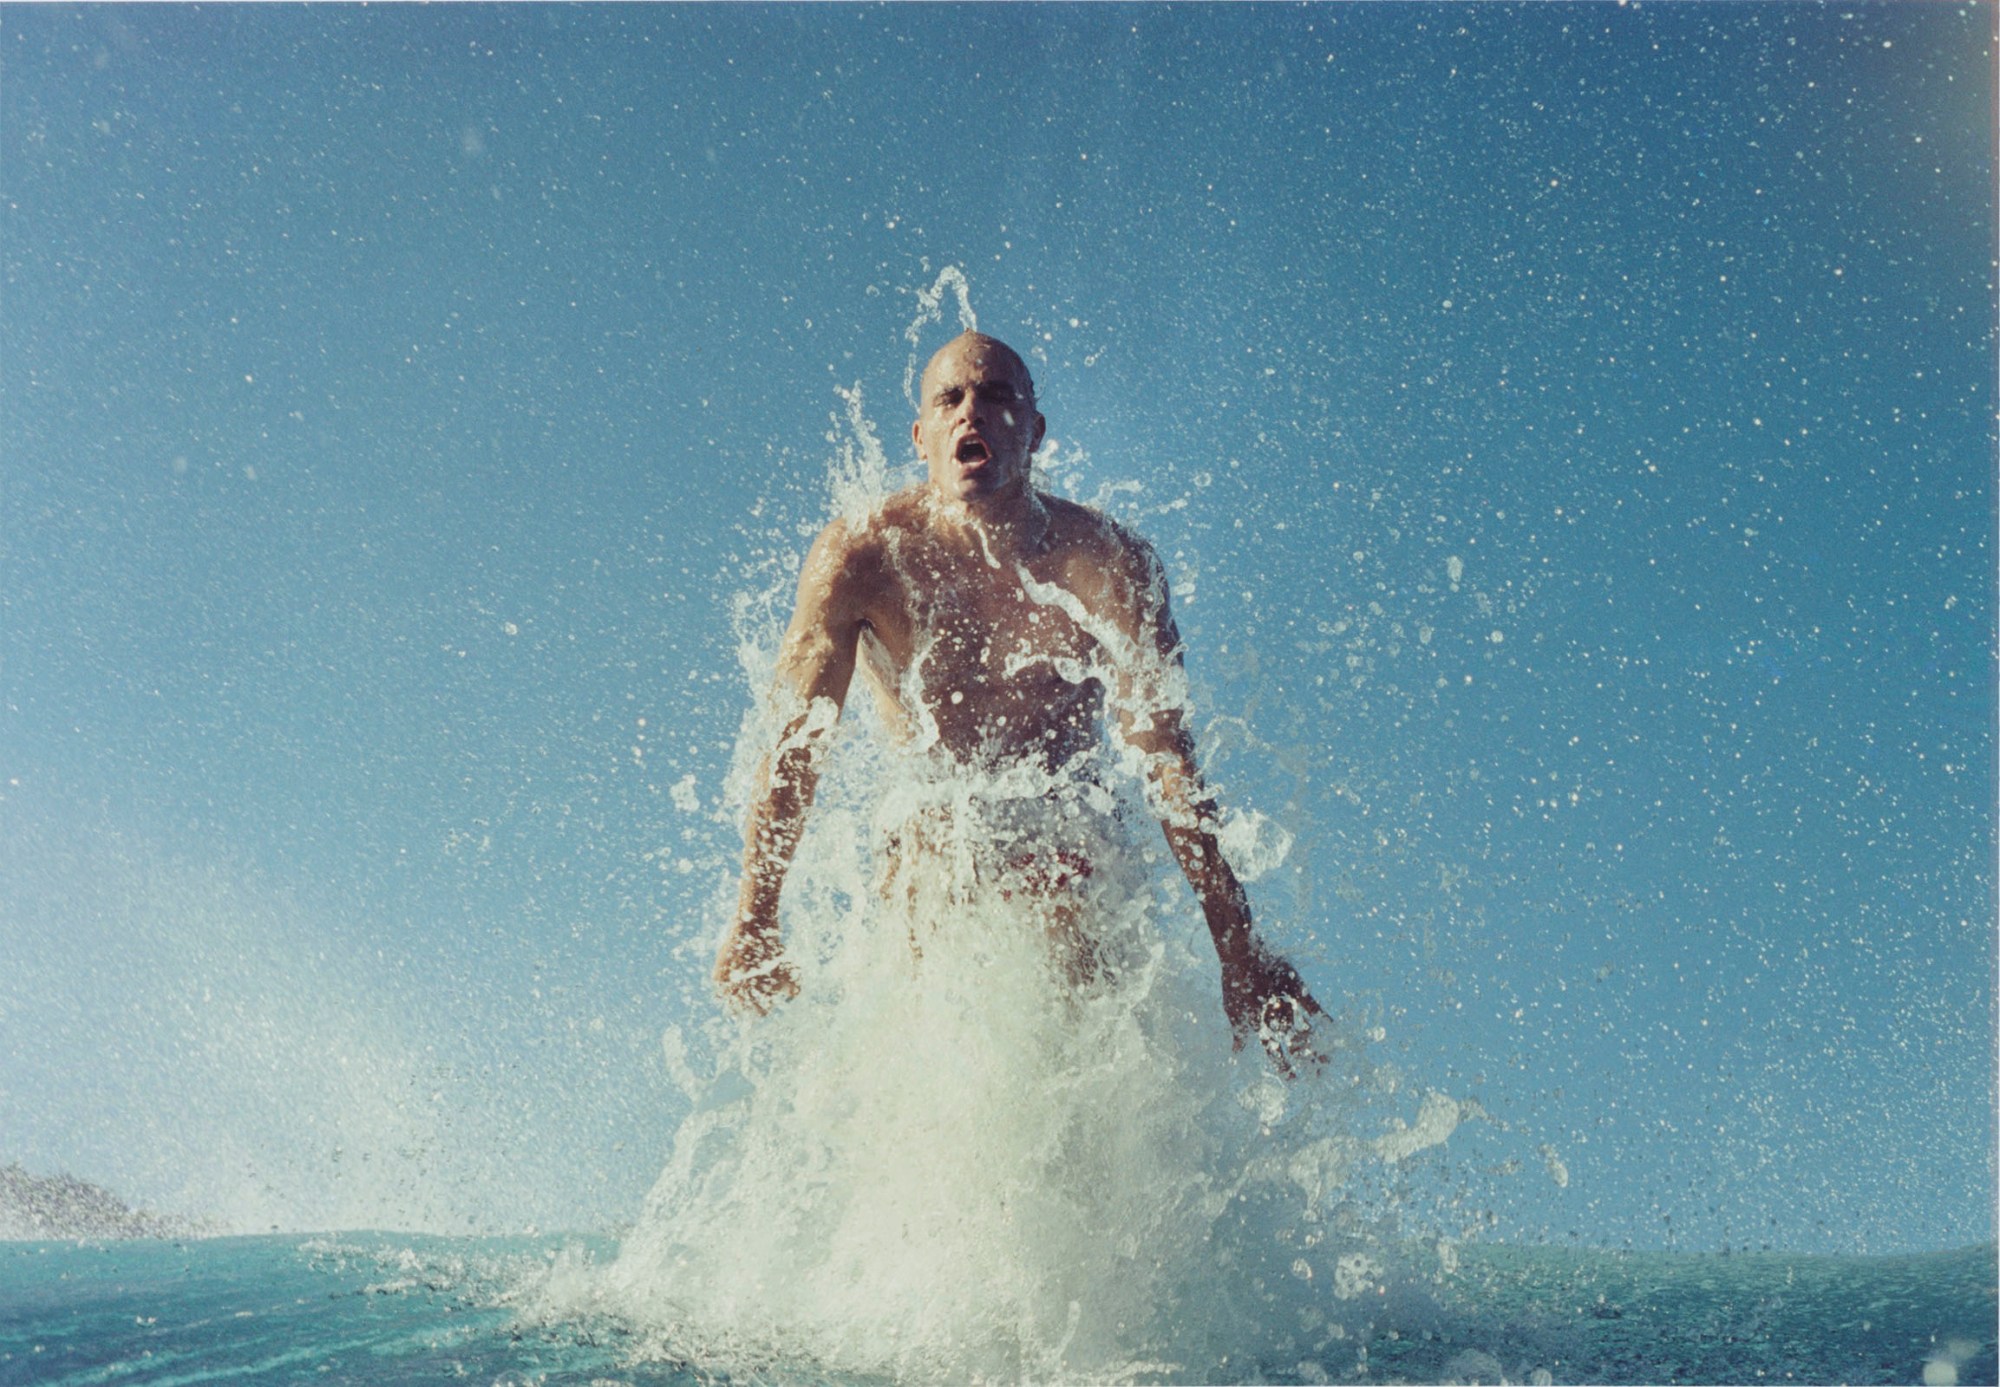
(47, 1207)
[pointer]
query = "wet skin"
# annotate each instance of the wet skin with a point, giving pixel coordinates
(994, 623)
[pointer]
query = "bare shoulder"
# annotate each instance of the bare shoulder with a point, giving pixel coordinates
(1105, 549)
(846, 567)
(860, 544)
(840, 547)
(901, 513)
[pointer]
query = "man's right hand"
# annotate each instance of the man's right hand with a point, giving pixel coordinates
(752, 971)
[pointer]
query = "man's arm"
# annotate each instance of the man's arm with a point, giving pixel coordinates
(815, 666)
(1261, 993)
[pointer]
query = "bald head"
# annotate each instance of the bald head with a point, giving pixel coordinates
(978, 343)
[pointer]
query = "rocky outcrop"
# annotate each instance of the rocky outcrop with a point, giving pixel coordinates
(48, 1207)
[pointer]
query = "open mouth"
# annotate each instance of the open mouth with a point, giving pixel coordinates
(972, 448)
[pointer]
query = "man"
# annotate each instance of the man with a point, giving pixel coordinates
(993, 623)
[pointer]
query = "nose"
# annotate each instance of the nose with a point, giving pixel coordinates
(986, 414)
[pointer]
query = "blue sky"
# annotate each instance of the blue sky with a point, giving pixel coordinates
(1569, 429)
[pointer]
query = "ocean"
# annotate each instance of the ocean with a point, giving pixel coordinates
(378, 1308)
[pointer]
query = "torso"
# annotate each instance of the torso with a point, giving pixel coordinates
(981, 659)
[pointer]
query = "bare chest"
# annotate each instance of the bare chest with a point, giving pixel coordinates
(990, 656)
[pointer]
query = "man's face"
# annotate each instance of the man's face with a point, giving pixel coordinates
(976, 424)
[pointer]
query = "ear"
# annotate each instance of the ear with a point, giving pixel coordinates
(917, 435)
(1041, 428)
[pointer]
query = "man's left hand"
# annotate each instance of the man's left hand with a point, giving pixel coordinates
(1264, 996)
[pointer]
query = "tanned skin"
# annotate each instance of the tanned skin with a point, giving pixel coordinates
(939, 569)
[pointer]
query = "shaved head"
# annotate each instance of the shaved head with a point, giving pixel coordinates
(980, 342)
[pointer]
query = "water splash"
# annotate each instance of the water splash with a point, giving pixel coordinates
(930, 309)
(1003, 1130)
(860, 469)
(968, 1150)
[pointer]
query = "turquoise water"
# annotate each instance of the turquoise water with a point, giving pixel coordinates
(381, 1308)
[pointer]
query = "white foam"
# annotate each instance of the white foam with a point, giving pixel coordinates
(948, 1158)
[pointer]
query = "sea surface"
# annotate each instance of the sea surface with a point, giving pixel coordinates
(382, 1308)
